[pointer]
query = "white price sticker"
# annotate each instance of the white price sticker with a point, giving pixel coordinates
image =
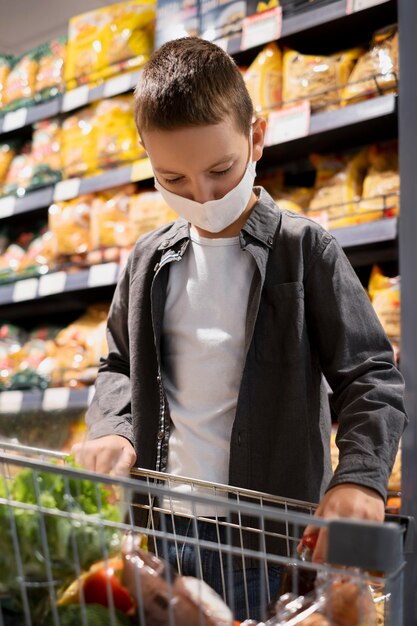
(353, 6)
(52, 283)
(14, 120)
(7, 206)
(67, 189)
(55, 399)
(103, 274)
(261, 28)
(141, 170)
(117, 85)
(75, 98)
(91, 393)
(11, 401)
(25, 289)
(288, 124)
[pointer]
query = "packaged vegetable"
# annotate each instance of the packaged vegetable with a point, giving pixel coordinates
(377, 70)
(21, 81)
(263, 79)
(319, 79)
(69, 223)
(115, 131)
(50, 74)
(79, 143)
(148, 211)
(46, 152)
(385, 294)
(100, 39)
(5, 64)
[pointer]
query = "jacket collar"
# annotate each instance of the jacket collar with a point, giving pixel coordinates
(261, 225)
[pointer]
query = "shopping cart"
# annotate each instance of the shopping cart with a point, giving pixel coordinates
(240, 539)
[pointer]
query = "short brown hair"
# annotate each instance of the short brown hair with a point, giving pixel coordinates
(191, 82)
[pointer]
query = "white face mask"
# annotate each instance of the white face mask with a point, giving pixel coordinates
(214, 215)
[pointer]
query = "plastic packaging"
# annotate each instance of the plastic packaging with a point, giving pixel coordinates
(385, 294)
(263, 80)
(69, 223)
(79, 143)
(148, 211)
(50, 74)
(21, 81)
(5, 65)
(381, 187)
(46, 152)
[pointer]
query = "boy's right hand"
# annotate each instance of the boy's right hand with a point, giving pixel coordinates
(110, 454)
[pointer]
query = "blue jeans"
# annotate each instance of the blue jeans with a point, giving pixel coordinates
(245, 589)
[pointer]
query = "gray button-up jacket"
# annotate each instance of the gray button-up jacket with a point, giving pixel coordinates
(308, 315)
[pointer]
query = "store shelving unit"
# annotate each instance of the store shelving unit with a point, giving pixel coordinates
(353, 125)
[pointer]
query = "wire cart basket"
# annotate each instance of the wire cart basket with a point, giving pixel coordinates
(78, 548)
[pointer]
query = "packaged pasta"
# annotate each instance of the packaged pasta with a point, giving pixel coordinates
(100, 39)
(69, 223)
(319, 79)
(21, 81)
(50, 74)
(377, 70)
(263, 79)
(20, 172)
(5, 64)
(7, 153)
(110, 222)
(46, 152)
(148, 211)
(79, 144)
(381, 187)
(385, 294)
(115, 131)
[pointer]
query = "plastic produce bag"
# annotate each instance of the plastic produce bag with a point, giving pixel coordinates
(263, 79)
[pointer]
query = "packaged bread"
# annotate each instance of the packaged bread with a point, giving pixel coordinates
(5, 64)
(46, 152)
(377, 70)
(381, 187)
(21, 80)
(339, 192)
(50, 74)
(79, 144)
(385, 294)
(100, 39)
(147, 211)
(69, 223)
(263, 79)
(319, 79)
(115, 131)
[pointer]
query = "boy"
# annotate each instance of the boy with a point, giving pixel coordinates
(215, 360)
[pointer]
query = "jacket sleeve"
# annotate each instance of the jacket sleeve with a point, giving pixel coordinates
(110, 411)
(357, 361)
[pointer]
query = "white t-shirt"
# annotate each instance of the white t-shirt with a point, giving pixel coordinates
(203, 354)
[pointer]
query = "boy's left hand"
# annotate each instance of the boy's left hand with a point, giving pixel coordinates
(350, 501)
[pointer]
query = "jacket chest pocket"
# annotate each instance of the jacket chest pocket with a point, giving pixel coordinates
(280, 325)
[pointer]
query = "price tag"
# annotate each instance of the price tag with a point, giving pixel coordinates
(25, 290)
(55, 399)
(261, 28)
(91, 393)
(288, 124)
(11, 401)
(75, 98)
(14, 120)
(353, 6)
(67, 189)
(52, 283)
(7, 206)
(103, 274)
(141, 170)
(116, 85)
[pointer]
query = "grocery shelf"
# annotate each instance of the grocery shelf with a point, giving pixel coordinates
(367, 234)
(53, 399)
(68, 101)
(73, 187)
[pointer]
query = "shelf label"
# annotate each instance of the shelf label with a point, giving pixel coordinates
(67, 189)
(117, 85)
(11, 401)
(353, 6)
(7, 206)
(75, 98)
(141, 170)
(261, 28)
(288, 124)
(55, 399)
(14, 120)
(102, 275)
(25, 290)
(52, 283)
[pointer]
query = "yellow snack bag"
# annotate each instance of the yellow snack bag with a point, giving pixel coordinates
(263, 79)
(385, 294)
(377, 70)
(115, 130)
(130, 31)
(79, 143)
